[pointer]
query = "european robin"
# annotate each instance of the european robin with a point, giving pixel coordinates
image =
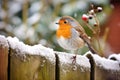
(70, 34)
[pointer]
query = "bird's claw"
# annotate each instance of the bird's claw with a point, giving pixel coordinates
(73, 59)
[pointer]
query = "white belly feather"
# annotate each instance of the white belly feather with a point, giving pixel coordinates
(72, 43)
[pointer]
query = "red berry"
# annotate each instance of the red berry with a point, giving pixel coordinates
(99, 9)
(95, 24)
(90, 16)
(84, 17)
(91, 12)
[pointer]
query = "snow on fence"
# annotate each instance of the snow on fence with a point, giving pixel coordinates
(23, 62)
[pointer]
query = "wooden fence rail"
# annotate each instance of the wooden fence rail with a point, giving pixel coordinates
(19, 61)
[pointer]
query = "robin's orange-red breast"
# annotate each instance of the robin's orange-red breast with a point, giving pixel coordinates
(69, 34)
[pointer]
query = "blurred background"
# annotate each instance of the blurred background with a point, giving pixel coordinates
(33, 21)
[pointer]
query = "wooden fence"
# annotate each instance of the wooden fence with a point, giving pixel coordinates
(19, 61)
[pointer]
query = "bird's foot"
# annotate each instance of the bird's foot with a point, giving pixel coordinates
(74, 59)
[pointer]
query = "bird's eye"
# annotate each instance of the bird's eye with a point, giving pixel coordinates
(65, 22)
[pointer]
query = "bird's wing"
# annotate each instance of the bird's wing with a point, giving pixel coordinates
(82, 34)
(86, 39)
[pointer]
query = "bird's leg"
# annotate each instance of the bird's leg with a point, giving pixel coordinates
(74, 57)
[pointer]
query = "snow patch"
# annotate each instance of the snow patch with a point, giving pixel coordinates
(3, 42)
(21, 48)
(116, 56)
(105, 63)
(66, 58)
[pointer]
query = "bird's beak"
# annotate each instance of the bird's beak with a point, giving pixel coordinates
(57, 23)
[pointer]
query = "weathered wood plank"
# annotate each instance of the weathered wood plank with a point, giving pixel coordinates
(41, 63)
(105, 69)
(69, 71)
(3, 58)
(30, 62)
